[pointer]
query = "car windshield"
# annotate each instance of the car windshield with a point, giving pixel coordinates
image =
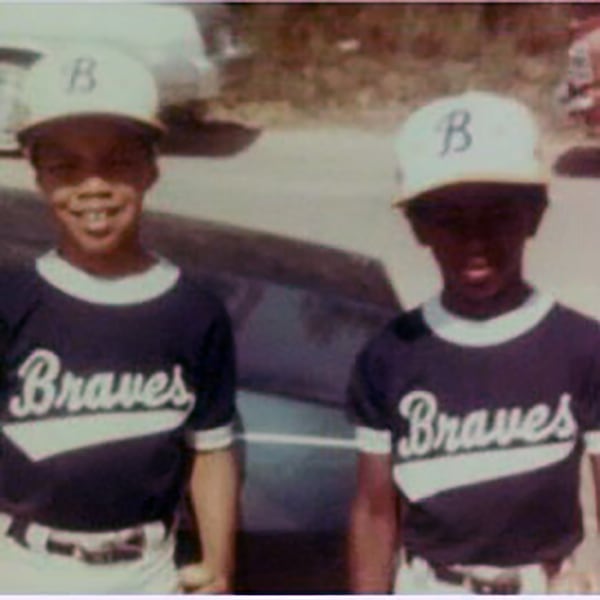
(300, 311)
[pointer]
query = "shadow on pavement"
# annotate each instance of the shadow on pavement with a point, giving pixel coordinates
(208, 138)
(580, 161)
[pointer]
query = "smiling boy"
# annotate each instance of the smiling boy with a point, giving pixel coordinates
(118, 378)
(473, 411)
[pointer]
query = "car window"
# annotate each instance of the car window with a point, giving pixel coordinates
(298, 466)
(301, 312)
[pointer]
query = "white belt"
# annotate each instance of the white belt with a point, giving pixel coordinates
(491, 572)
(36, 536)
(5, 521)
(533, 578)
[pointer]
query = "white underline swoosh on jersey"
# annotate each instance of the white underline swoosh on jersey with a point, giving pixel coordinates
(46, 438)
(426, 477)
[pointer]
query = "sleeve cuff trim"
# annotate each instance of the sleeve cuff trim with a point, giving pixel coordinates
(592, 442)
(374, 441)
(210, 439)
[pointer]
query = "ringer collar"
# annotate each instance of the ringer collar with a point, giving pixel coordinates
(489, 332)
(131, 289)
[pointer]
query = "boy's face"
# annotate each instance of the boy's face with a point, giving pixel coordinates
(478, 237)
(94, 172)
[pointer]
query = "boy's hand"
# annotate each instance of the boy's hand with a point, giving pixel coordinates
(574, 581)
(579, 574)
(198, 579)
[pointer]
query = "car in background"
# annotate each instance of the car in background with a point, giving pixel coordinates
(301, 312)
(194, 51)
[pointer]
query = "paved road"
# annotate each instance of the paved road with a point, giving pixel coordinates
(334, 187)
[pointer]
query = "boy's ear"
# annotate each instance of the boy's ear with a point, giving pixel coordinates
(418, 227)
(29, 155)
(153, 174)
(536, 214)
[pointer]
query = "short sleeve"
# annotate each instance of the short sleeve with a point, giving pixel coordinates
(210, 424)
(367, 407)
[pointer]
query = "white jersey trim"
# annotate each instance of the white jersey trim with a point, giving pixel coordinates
(490, 332)
(373, 441)
(49, 437)
(132, 289)
(592, 442)
(37, 535)
(210, 439)
(420, 479)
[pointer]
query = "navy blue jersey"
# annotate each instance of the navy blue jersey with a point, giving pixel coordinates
(105, 386)
(486, 422)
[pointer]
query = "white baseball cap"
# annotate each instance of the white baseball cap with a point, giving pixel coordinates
(88, 80)
(475, 137)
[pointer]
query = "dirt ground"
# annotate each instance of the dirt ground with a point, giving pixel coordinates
(367, 65)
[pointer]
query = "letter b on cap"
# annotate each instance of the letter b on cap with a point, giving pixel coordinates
(455, 130)
(81, 75)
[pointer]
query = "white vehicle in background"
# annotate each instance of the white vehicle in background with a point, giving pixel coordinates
(192, 50)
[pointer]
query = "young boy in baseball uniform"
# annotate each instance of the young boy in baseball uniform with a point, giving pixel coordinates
(474, 410)
(118, 375)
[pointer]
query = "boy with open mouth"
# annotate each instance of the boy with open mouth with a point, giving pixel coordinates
(118, 374)
(473, 411)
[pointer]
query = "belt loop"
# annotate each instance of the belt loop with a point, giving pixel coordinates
(5, 523)
(37, 536)
(534, 580)
(155, 533)
(17, 529)
(170, 522)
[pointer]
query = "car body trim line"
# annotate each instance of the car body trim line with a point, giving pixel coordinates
(297, 440)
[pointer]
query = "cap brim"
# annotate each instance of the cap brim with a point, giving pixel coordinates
(152, 127)
(508, 180)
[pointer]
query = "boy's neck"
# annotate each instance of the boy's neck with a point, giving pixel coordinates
(110, 265)
(506, 301)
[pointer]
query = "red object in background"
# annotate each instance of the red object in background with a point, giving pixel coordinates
(579, 92)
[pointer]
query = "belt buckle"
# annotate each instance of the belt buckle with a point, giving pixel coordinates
(502, 585)
(109, 552)
(113, 553)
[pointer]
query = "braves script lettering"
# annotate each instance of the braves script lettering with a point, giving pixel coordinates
(46, 388)
(431, 430)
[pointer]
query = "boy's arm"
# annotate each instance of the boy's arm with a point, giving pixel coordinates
(214, 481)
(214, 490)
(374, 527)
(595, 462)
(578, 575)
